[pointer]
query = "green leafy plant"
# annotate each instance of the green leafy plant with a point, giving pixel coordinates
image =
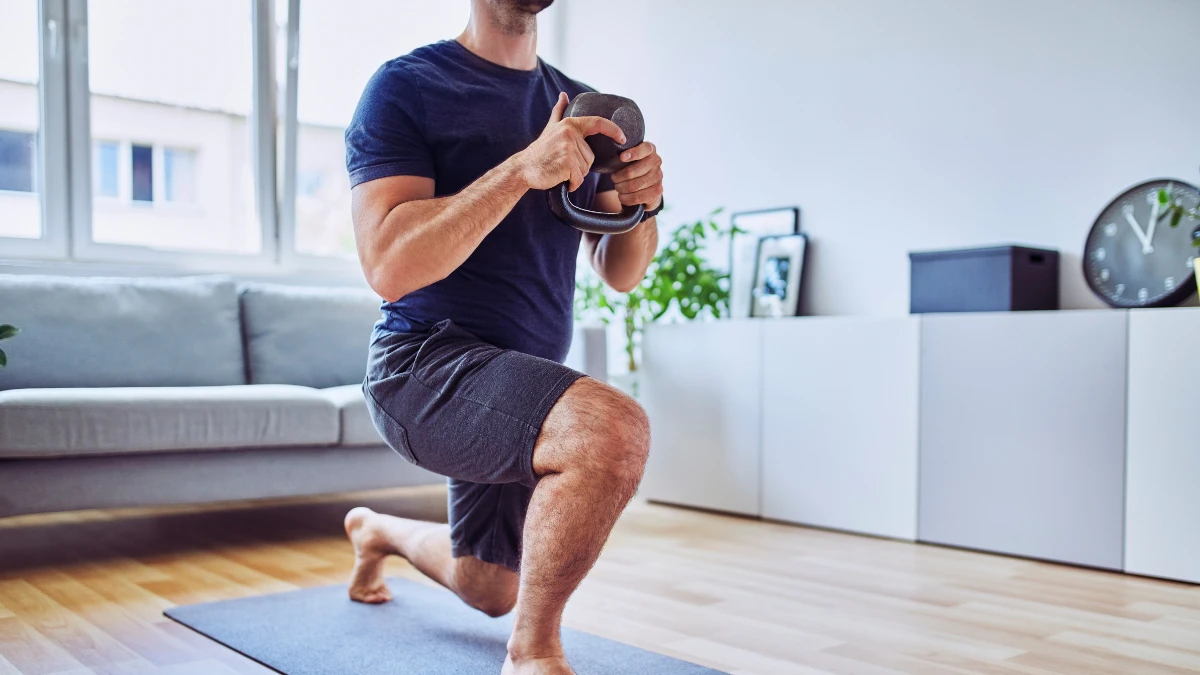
(679, 278)
(6, 331)
(1173, 211)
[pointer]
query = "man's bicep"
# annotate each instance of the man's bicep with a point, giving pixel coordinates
(373, 200)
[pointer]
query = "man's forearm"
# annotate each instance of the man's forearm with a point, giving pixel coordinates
(622, 259)
(423, 241)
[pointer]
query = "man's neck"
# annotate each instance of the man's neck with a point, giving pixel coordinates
(510, 41)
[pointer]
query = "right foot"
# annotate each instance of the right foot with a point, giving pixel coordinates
(550, 666)
(367, 583)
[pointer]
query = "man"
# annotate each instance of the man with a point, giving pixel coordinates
(450, 154)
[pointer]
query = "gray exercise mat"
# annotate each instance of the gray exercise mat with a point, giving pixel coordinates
(423, 631)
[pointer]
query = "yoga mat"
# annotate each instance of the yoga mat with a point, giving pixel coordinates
(423, 631)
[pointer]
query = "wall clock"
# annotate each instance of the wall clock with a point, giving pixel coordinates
(1133, 258)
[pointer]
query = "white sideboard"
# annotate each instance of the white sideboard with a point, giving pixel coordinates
(1162, 508)
(839, 443)
(1060, 435)
(1023, 434)
(702, 387)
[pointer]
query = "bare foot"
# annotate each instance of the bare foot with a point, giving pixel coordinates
(367, 583)
(549, 666)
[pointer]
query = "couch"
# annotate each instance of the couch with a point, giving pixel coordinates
(138, 392)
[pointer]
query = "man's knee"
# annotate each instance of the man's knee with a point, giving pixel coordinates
(597, 429)
(488, 588)
(612, 430)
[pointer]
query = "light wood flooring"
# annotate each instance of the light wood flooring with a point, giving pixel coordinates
(84, 593)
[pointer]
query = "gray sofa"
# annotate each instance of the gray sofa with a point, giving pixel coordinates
(135, 392)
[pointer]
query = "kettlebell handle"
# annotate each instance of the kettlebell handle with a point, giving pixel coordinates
(596, 222)
(625, 114)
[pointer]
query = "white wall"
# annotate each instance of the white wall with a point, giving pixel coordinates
(901, 125)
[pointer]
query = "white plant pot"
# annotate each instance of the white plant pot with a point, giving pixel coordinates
(1197, 263)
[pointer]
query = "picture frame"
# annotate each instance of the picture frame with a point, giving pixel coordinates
(778, 276)
(743, 250)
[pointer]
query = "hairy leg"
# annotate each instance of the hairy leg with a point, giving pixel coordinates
(590, 456)
(492, 589)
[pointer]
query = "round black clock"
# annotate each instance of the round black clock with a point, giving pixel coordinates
(1134, 258)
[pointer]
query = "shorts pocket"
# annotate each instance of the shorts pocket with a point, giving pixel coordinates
(393, 433)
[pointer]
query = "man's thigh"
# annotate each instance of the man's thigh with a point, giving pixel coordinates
(463, 408)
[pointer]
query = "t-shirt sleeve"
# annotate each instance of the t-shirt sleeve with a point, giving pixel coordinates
(386, 136)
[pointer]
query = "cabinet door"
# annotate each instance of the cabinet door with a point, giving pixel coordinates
(840, 423)
(701, 385)
(1023, 434)
(1162, 519)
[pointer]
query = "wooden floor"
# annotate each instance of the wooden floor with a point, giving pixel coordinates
(84, 593)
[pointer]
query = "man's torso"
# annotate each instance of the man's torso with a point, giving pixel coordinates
(516, 290)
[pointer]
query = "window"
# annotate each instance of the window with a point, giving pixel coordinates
(106, 170)
(179, 176)
(180, 92)
(20, 208)
(17, 151)
(332, 75)
(142, 160)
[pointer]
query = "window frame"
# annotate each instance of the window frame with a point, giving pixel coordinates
(290, 256)
(51, 137)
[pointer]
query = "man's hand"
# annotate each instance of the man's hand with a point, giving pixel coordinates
(641, 181)
(560, 154)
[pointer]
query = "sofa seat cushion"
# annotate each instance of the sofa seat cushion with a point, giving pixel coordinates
(357, 427)
(113, 421)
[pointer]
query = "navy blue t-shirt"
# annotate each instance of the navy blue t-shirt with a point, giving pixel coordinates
(445, 113)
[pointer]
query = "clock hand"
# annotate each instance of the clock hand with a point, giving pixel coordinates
(1137, 229)
(1148, 246)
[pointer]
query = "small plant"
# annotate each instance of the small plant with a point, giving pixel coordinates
(1174, 212)
(6, 331)
(678, 278)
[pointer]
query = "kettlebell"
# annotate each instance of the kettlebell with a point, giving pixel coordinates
(625, 114)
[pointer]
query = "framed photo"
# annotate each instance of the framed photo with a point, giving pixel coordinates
(777, 276)
(743, 250)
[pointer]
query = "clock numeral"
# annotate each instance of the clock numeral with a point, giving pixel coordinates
(1120, 290)
(1143, 295)
(1104, 274)
(1169, 283)
(1100, 254)
(1110, 230)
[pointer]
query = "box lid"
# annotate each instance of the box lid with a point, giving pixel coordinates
(983, 252)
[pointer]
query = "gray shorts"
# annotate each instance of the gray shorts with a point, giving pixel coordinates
(460, 407)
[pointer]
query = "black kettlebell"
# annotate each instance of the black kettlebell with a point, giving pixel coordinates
(626, 114)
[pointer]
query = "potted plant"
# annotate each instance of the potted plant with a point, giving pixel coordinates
(6, 331)
(680, 281)
(1174, 212)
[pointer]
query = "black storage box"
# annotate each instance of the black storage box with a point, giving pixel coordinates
(996, 279)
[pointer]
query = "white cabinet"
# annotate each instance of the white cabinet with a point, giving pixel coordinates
(840, 423)
(702, 387)
(1162, 501)
(1023, 434)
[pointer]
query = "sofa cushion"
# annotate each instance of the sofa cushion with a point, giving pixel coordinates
(102, 332)
(357, 427)
(314, 337)
(124, 420)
